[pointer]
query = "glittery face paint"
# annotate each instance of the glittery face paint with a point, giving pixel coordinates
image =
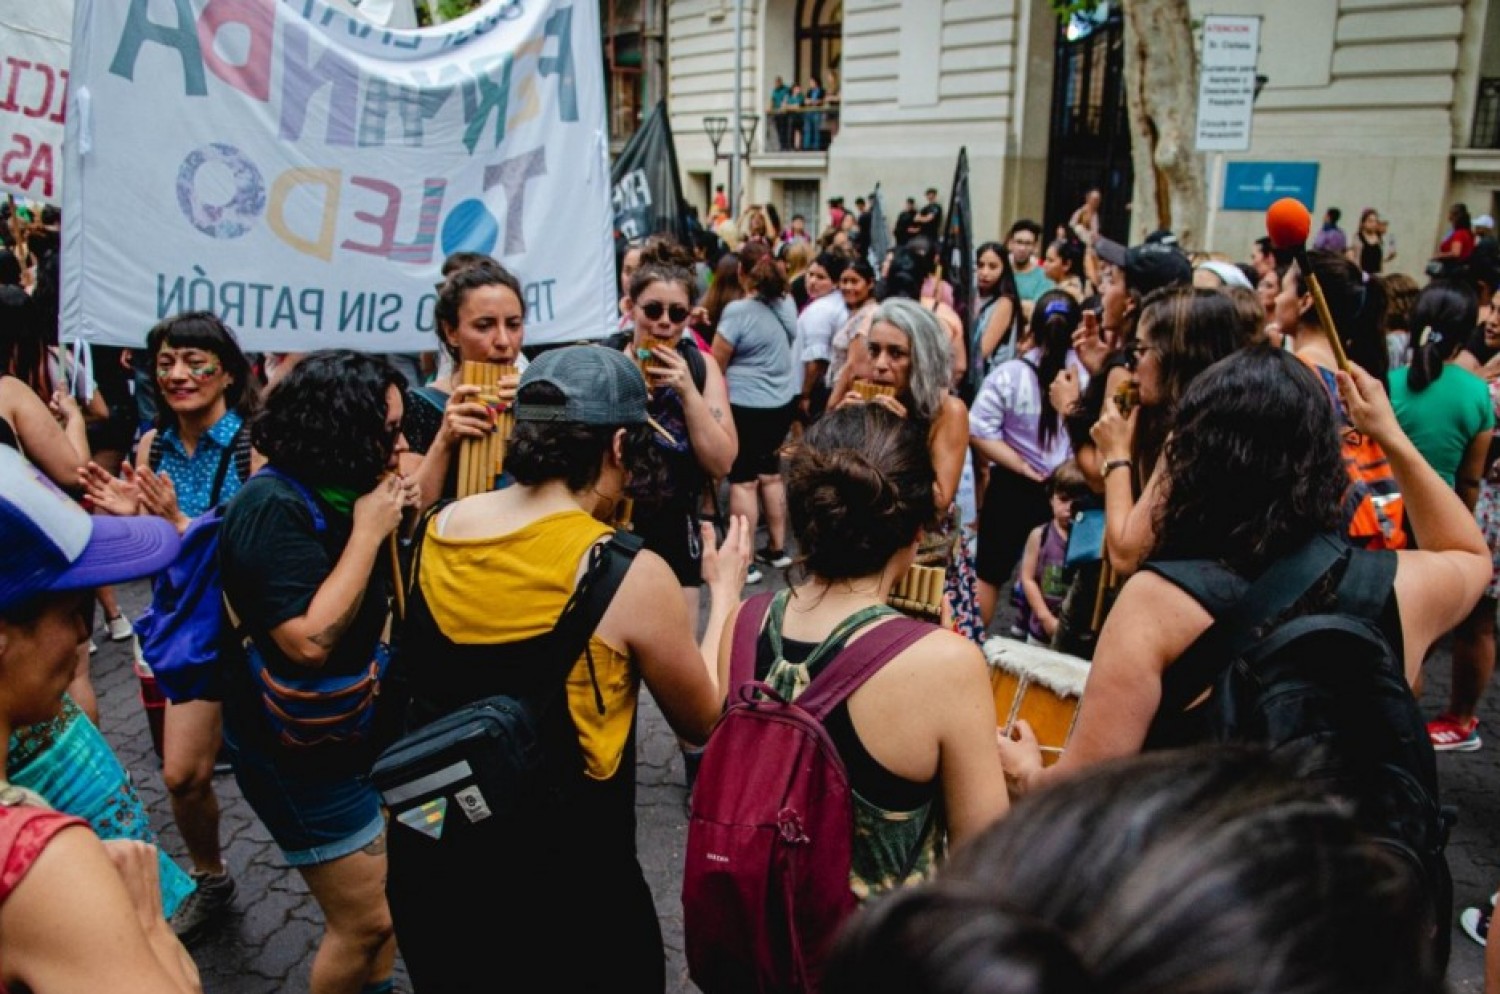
(199, 367)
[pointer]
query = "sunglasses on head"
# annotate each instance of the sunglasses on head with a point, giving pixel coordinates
(654, 309)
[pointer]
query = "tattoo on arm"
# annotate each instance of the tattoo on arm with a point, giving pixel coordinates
(328, 637)
(718, 413)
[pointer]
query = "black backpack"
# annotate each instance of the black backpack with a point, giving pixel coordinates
(1298, 662)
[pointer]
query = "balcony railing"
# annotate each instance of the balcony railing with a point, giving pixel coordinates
(801, 129)
(1486, 133)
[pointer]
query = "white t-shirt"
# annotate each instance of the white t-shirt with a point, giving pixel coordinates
(817, 324)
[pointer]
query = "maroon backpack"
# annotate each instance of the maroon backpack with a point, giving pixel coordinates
(766, 881)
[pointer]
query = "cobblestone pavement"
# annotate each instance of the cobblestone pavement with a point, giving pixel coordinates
(267, 946)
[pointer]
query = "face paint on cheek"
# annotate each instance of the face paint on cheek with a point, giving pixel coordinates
(207, 371)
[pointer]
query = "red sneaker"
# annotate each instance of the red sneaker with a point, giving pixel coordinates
(1448, 734)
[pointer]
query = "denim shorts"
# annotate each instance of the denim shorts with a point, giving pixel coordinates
(311, 820)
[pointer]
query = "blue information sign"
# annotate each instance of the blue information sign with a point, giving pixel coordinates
(1254, 186)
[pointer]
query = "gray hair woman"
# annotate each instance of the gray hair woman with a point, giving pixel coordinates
(906, 371)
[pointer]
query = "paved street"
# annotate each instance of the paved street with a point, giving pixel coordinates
(268, 945)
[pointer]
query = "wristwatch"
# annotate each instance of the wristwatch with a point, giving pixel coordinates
(1114, 464)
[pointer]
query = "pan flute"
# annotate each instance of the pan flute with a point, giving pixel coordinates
(647, 361)
(920, 592)
(480, 460)
(1127, 397)
(869, 391)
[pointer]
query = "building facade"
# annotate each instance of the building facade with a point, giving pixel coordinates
(1396, 103)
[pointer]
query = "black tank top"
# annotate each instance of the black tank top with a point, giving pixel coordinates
(1371, 255)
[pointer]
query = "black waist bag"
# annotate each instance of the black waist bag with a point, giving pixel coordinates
(495, 757)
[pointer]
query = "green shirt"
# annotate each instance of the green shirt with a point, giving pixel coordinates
(1443, 419)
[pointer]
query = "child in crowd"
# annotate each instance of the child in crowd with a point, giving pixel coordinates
(1042, 579)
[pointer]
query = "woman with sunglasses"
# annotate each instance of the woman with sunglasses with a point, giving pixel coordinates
(1182, 331)
(689, 401)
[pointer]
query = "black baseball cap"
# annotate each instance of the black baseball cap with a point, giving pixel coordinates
(599, 387)
(1150, 265)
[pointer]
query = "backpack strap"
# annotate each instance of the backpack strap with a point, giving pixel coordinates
(693, 356)
(154, 454)
(860, 659)
(747, 628)
(1279, 588)
(608, 564)
(1366, 586)
(221, 474)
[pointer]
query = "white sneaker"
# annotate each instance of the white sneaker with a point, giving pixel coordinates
(93, 647)
(120, 628)
(754, 574)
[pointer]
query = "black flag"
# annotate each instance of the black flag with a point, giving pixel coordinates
(880, 230)
(957, 255)
(647, 188)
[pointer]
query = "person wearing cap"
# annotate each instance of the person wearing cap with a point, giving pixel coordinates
(303, 554)
(1216, 274)
(75, 914)
(1126, 275)
(499, 568)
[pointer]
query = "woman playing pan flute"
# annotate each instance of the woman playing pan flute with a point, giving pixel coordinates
(907, 353)
(689, 401)
(480, 316)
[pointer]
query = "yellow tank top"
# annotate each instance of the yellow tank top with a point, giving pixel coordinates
(504, 588)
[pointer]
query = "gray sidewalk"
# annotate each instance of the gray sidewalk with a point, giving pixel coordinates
(268, 944)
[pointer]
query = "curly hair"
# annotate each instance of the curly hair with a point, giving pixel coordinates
(859, 489)
(325, 422)
(204, 331)
(1255, 466)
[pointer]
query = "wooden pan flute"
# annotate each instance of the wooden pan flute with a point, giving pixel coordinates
(920, 592)
(869, 391)
(480, 460)
(647, 361)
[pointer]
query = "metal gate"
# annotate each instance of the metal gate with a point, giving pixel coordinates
(1090, 128)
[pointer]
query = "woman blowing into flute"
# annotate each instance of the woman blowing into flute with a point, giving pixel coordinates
(687, 397)
(480, 316)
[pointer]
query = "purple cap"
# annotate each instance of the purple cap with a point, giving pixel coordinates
(52, 544)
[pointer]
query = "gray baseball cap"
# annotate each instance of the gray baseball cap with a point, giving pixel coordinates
(599, 387)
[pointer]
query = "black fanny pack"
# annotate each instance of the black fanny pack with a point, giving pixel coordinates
(495, 756)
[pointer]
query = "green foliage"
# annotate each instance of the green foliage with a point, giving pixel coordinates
(450, 10)
(1066, 10)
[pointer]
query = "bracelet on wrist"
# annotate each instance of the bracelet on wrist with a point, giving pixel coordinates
(1113, 464)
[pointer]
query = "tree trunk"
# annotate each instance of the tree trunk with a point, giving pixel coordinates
(1161, 93)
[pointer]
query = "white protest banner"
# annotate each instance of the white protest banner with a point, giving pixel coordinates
(33, 92)
(303, 174)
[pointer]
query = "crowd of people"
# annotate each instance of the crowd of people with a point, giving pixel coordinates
(1056, 448)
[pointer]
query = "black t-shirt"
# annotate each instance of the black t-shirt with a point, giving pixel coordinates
(424, 418)
(274, 560)
(904, 221)
(931, 219)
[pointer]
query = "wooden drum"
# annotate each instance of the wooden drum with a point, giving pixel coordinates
(1040, 685)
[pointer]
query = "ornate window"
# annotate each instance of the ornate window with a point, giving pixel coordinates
(820, 42)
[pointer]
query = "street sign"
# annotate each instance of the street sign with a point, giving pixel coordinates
(1226, 83)
(1254, 186)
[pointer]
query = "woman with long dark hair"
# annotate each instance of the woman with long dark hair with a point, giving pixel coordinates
(1014, 426)
(1448, 413)
(196, 458)
(1254, 472)
(754, 350)
(307, 582)
(995, 331)
(857, 286)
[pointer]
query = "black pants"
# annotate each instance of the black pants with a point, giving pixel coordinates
(1013, 506)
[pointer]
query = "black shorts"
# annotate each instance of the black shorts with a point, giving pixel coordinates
(1013, 506)
(672, 533)
(762, 430)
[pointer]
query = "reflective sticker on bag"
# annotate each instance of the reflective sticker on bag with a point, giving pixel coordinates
(473, 804)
